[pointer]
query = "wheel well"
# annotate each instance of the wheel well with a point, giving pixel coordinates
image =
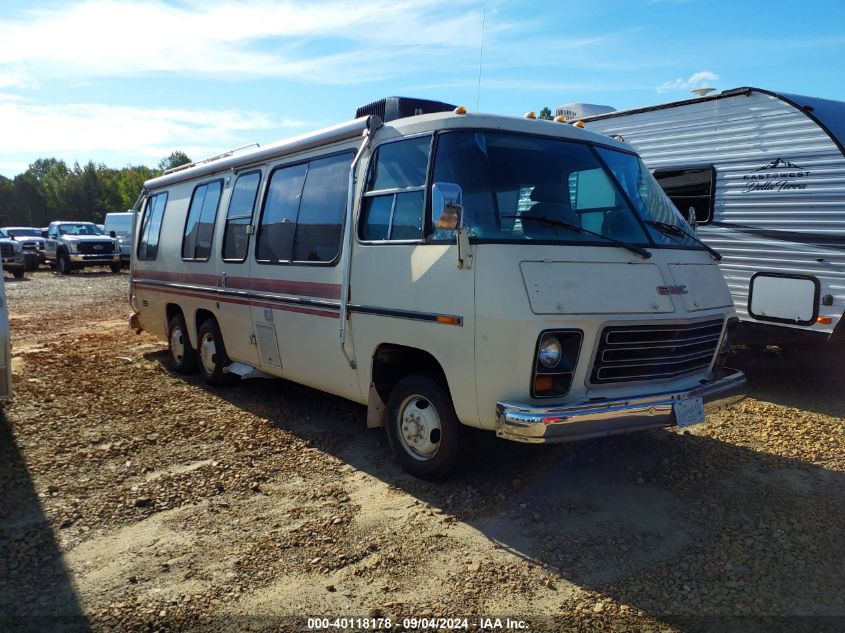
(392, 362)
(172, 310)
(202, 316)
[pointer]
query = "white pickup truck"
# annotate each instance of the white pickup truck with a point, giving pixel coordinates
(74, 245)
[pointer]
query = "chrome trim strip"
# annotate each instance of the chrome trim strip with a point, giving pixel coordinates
(598, 418)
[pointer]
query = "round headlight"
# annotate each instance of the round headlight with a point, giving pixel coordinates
(550, 352)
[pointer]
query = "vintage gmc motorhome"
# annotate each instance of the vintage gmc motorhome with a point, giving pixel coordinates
(445, 269)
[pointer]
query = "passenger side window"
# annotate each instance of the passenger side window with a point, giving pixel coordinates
(395, 194)
(302, 220)
(199, 225)
(151, 226)
(241, 206)
(690, 188)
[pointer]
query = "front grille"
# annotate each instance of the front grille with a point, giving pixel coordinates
(655, 352)
(90, 248)
(30, 246)
(6, 250)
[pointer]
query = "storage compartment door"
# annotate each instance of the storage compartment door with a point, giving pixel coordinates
(792, 299)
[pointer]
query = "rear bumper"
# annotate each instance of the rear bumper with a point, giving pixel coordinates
(584, 420)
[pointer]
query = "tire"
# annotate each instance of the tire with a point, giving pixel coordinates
(211, 354)
(423, 429)
(116, 268)
(30, 262)
(63, 263)
(18, 273)
(183, 357)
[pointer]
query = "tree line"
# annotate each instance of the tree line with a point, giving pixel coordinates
(51, 190)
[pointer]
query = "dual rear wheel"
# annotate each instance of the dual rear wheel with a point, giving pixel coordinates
(209, 356)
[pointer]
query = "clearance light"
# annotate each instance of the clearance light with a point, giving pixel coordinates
(618, 137)
(578, 124)
(824, 320)
(530, 115)
(449, 320)
(560, 119)
(460, 110)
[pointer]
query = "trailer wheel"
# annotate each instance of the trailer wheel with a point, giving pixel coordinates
(183, 357)
(63, 263)
(423, 428)
(211, 354)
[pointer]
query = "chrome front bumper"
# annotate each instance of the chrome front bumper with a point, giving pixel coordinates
(106, 258)
(597, 418)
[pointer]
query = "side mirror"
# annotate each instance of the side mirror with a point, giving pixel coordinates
(446, 205)
(112, 234)
(691, 219)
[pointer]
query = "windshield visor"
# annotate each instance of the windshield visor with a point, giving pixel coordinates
(534, 178)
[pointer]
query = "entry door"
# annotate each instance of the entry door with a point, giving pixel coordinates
(234, 253)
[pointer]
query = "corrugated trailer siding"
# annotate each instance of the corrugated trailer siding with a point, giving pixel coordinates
(739, 135)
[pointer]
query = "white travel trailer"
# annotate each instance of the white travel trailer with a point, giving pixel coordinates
(443, 268)
(764, 174)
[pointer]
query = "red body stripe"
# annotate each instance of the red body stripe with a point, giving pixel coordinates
(283, 286)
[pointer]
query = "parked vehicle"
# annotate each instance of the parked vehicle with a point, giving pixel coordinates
(32, 243)
(11, 254)
(5, 345)
(119, 225)
(446, 269)
(761, 173)
(74, 245)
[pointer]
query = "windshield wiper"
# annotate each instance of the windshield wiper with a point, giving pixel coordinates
(673, 230)
(577, 229)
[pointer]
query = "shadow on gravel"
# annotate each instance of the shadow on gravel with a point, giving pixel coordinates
(705, 535)
(36, 593)
(809, 379)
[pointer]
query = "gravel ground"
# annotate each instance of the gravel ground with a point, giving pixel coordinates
(135, 499)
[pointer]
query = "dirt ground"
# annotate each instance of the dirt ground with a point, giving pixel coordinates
(132, 498)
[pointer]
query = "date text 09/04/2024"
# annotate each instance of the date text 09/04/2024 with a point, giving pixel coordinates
(375, 624)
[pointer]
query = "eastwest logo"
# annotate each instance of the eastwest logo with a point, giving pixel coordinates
(672, 290)
(778, 175)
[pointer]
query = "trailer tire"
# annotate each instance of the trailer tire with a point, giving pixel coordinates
(183, 357)
(423, 429)
(63, 263)
(211, 354)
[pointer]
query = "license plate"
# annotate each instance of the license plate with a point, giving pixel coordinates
(689, 411)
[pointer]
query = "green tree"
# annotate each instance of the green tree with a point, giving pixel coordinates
(546, 114)
(176, 159)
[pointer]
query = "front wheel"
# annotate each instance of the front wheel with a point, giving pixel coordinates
(211, 354)
(116, 268)
(18, 273)
(63, 263)
(423, 428)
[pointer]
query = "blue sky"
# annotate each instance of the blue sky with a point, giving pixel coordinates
(128, 82)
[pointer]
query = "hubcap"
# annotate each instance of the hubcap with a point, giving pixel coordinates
(208, 353)
(177, 345)
(419, 429)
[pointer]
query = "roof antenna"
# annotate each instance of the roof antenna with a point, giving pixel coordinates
(480, 58)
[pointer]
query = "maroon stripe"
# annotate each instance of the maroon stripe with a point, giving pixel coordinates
(283, 286)
(229, 299)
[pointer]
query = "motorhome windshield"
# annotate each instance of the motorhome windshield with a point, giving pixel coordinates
(504, 179)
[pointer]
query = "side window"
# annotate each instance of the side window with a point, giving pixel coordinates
(319, 225)
(199, 225)
(241, 206)
(151, 226)
(689, 189)
(278, 220)
(394, 199)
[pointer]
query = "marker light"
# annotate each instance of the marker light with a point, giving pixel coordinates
(530, 115)
(460, 110)
(578, 124)
(618, 137)
(823, 320)
(560, 119)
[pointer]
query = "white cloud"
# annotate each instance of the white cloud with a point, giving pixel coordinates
(260, 38)
(144, 134)
(696, 80)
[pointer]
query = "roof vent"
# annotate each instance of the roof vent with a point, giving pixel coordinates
(391, 108)
(702, 92)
